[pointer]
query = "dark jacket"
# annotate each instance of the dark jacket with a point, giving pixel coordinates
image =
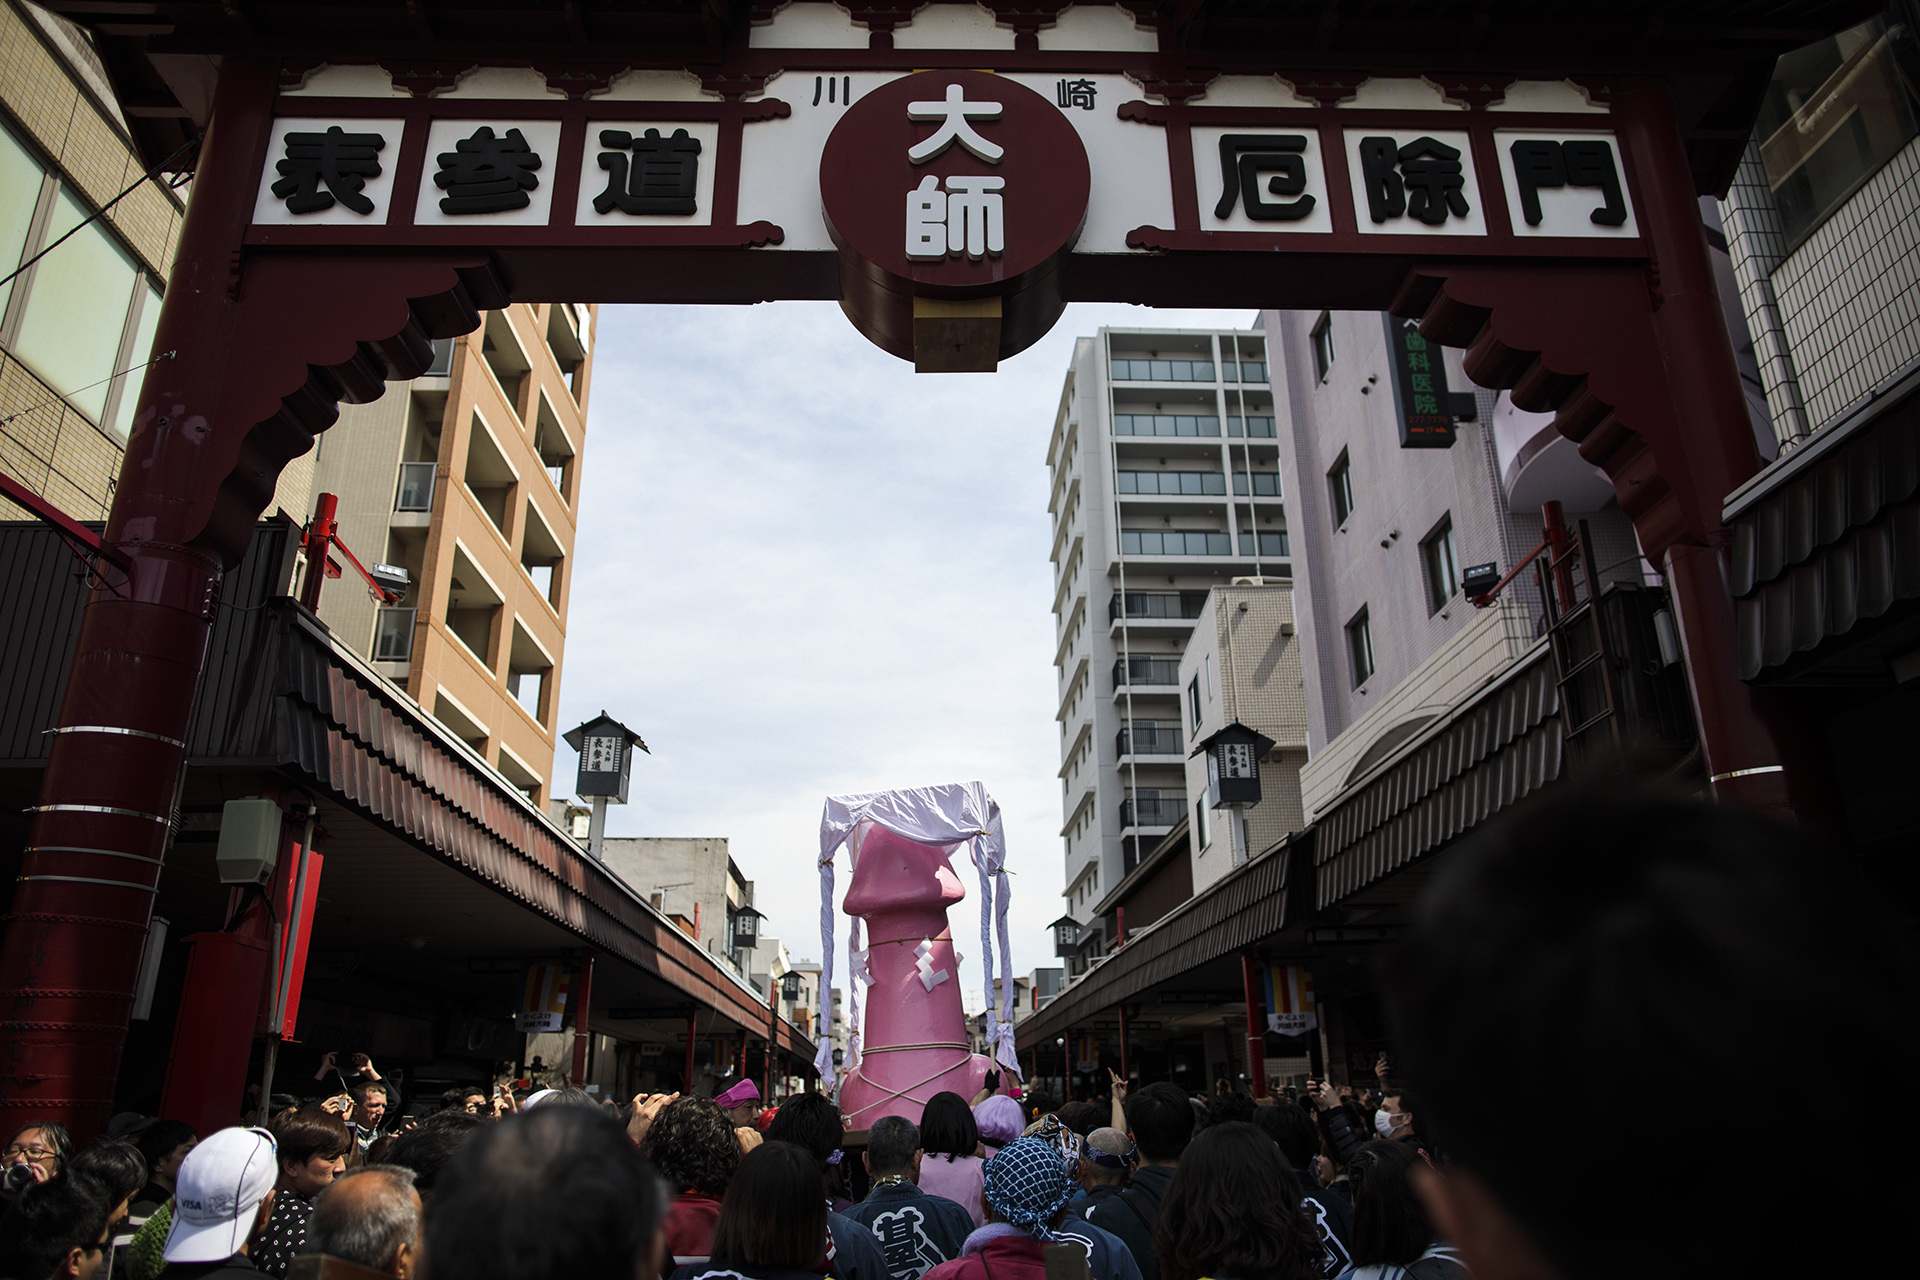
(238, 1267)
(914, 1231)
(1087, 1201)
(1333, 1223)
(851, 1252)
(1107, 1257)
(1131, 1215)
(717, 1269)
(1009, 1257)
(285, 1234)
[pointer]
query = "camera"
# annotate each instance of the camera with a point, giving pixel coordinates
(18, 1177)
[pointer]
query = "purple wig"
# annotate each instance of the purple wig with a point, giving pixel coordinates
(1000, 1120)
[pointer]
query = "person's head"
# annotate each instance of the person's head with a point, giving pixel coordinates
(1210, 1225)
(1082, 1117)
(1160, 1120)
(313, 1146)
(566, 1095)
(741, 1104)
(1607, 939)
(56, 1230)
(1292, 1130)
(893, 1149)
(692, 1146)
(773, 1215)
(809, 1120)
(44, 1144)
(1105, 1159)
(472, 1100)
(1389, 1226)
(222, 1196)
(1395, 1118)
(552, 1194)
(1000, 1120)
(165, 1144)
(947, 1126)
(1027, 1186)
(371, 1218)
(369, 1103)
(425, 1148)
(1228, 1107)
(119, 1171)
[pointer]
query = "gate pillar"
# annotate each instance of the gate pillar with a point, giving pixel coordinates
(1636, 364)
(264, 350)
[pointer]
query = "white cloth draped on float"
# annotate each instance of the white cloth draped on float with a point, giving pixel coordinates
(952, 813)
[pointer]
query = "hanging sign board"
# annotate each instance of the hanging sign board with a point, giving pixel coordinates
(953, 191)
(1424, 405)
(1289, 995)
(543, 1000)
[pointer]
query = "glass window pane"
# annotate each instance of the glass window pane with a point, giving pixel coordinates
(393, 636)
(1210, 426)
(1203, 371)
(1161, 370)
(1180, 371)
(77, 309)
(1130, 544)
(1229, 371)
(142, 352)
(1240, 482)
(1233, 428)
(19, 191)
(1163, 424)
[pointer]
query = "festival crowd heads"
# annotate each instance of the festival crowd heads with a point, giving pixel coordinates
(1601, 1015)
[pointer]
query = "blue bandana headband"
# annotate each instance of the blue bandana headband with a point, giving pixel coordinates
(1027, 1184)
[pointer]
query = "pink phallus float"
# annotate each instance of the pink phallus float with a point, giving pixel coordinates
(913, 1043)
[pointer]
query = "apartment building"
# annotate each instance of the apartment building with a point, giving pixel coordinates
(694, 881)
(1165, 484)
(77, 325)
(469, 478)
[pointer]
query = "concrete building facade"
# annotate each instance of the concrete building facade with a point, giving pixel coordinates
(690, 879)
(77, 325)
(1164, 486)
(468, 478)
(1243, 663)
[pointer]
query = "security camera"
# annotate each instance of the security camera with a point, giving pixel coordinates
(392, 578)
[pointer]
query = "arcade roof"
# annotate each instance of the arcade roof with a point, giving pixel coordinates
(1718, 53)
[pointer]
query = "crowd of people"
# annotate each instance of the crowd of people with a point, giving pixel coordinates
(1690, 941)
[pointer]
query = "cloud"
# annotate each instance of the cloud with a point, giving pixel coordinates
(803, 569)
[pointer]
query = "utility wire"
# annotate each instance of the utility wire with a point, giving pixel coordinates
(144, 178)
(135, 368)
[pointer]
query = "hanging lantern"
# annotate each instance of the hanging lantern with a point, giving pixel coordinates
(790, 985)
(1233, 766)
(1066, 936)
(746, 928)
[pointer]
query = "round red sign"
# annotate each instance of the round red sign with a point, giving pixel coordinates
(955, 184)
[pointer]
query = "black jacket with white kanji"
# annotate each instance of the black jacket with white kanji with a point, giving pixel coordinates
(915, 1231)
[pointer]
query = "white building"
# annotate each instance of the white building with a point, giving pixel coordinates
(1165, 484)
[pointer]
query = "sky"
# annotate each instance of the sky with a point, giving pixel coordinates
(802, 570)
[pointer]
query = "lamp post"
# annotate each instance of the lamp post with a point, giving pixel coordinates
(606, 766)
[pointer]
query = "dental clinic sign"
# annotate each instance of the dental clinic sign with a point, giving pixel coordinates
(953, 197)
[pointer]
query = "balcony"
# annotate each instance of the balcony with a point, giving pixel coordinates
(1149, 739)
(1138, 671)
(1246, 371)
(1157, 604)
(1254, 428)
(1175, 542)
(1162, 370)
(1168, 425)
(1185, 484)
(1266, 484)
(1162, 810)
(1272, 545)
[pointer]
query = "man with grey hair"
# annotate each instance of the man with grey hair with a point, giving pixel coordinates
(1105, 1160)
(915, 1231)
(370, 1216)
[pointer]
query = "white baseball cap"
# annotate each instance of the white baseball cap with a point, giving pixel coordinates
(218, 1192)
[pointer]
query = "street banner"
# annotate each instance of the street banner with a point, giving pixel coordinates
(1289, 993)
(543, 1003)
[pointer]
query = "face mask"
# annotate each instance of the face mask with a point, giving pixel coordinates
(1383, 1124)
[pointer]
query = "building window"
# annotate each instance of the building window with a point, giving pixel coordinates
(1442, 570)
(416, 487)
(1323, 346)
(393, 636)
(1360, 647)
(1193, 702)
(1340, 485)
(1162, 370)
(1201, 836)
(1836, 111)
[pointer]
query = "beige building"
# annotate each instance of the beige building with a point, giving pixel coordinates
(1242, 663)
(75, 325)
(468, 478)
